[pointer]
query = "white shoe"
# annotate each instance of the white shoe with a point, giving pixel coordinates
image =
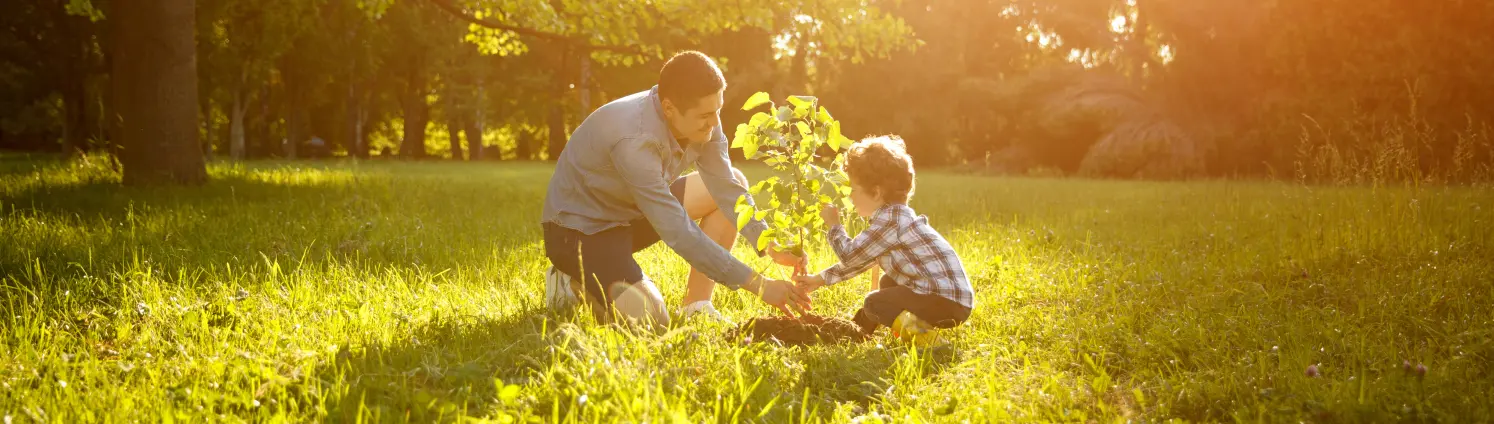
(640, 303)
(703, 307)
(559, 294)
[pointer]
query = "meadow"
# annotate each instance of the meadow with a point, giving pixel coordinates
(388, 291)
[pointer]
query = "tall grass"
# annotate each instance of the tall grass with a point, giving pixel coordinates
(411, 292)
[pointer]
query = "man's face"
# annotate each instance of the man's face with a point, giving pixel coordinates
(693, 123)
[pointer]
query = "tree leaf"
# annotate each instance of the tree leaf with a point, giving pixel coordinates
(749, 147)
(766, 236)
(743, 219)
(835, 139)
(803, 130)
(785, 114)
(756, 100)
(803, 105)
(759, 119)
(824, 116)
(743, 131)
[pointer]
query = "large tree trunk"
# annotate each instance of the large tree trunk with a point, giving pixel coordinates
(416, 114)
(155, 90)
(474, 128)
(556, 118)
(454, 132)
(524, 145)
(474, 137)
(296, 109)
(74, 119)
(236, 125)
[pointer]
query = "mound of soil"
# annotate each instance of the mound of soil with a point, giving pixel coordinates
(807, 330)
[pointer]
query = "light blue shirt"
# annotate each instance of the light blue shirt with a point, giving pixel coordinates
(617, 167)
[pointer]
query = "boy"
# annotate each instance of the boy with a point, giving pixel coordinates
(924, 286)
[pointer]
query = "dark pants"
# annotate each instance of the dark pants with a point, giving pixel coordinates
(890, 300)
(606, 257)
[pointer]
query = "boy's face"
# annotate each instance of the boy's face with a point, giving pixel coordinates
(866, 200)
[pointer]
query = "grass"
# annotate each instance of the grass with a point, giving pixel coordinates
(411, 292)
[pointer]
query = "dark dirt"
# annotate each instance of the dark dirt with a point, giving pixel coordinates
(807, 330)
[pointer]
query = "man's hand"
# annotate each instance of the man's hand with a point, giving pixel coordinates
(831, 215)
(787, 258)
(781, 294)
(809, 283)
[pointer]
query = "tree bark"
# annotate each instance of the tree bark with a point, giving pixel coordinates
(474, 128)
(74, 118)
(236, 125)
(454, 131)
(556, 118)
(416, 114)
(155, 90)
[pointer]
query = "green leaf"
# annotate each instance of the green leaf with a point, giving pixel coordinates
(759, 119)
(835, 139)
(743, 131)
(749, 147)
(803, 130)
(742, 219)
(756, 100)
(765, 237)
(785, 114)
(803, 105)
(824, 116)
(742, 205)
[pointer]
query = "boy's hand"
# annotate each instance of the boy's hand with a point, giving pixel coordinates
(831, 215)
(809, 283)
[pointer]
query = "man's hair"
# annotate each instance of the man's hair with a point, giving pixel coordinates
(687, 77)
(882, 163)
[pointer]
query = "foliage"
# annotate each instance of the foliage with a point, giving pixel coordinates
(790, 140)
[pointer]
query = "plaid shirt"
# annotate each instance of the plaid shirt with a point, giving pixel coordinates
(909, 251)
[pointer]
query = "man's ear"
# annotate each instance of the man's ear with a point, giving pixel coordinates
(669, 107)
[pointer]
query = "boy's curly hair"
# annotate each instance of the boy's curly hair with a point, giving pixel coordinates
(882, 163)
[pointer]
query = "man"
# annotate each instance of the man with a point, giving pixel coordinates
(617, 190)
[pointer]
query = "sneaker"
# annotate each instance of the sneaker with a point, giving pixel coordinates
(704, 307)
(909, 328)
(559, 294)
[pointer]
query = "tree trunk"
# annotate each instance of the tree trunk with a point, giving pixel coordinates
(360, 129)
(454, 132)
(155, 90)
(474, 128)
(474, 138)
(524, 146)
(74, 118)
(585, 86)
(296, 122)
(556, 118)
(416, 114)
(236, 125)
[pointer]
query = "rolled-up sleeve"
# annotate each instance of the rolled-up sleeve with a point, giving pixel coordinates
(715, 169)
(641, 168)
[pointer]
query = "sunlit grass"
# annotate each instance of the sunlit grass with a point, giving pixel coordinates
(400, 291)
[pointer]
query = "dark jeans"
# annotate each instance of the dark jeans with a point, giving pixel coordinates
(890, 300)
(606, 257)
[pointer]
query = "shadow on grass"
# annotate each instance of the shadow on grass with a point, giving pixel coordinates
(866, 375)
(448, 368)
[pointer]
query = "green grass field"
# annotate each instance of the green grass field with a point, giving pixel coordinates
(394, 292)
